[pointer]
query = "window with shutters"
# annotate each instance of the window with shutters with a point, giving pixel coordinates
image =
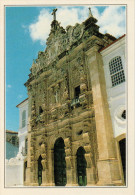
(24, 118)
(116, 71)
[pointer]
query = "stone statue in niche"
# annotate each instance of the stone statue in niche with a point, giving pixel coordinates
(56, 97)
(65, 94)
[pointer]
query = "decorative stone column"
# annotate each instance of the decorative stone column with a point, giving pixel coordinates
(44, 165)
(35, 174)
(33, 164)
(74, 171)
(50, 163)
(108, 170)
(70, 164)
(90, 170)
(28, 170)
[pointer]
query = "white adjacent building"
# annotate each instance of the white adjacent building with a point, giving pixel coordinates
(15, 166)
(23, 122)
(114, 61)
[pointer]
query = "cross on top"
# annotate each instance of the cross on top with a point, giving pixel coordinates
(90, 13)
(54, 14)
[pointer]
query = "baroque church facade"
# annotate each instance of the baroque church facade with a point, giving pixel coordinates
(70, 133)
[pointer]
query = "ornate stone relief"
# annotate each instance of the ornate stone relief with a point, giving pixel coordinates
(68, 152)
(77, 32)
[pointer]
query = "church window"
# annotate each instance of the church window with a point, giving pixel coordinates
(80, 132)
(116, 71)
(75, 101)
(24, 118)
(123, 114)
(40, 110)
(77, 91)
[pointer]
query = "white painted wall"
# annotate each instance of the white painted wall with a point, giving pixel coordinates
(22, 134)
(15, 166)
(117, 94)
(14, 172)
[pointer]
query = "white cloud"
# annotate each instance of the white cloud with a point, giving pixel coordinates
(68, 16)
(40, 29)
(111, 20)
(9, 86)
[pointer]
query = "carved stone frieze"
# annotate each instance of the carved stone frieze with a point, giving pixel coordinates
(83, 87)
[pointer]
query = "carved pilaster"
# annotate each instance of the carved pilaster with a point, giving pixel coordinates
(44, 156)
(70, 163)
(44, 164)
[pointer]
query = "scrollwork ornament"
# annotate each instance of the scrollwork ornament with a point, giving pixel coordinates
(77, 32)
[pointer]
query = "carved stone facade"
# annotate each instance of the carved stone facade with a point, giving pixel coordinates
(68, 101)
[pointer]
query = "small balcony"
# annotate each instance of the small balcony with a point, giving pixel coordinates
(75, 102)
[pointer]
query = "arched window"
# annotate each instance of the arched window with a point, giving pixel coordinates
(24, 118)
(123, 115)
(40, 110)
(116, 71)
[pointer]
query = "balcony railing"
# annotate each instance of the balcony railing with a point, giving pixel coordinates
(75, 102)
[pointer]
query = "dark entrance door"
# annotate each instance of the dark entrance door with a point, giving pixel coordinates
(25, 167)
(59, 163)
(122, 144)
(40, 168)
(81, 167)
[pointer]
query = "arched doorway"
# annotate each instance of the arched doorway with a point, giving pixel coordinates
(81, 167)
(122, 145)
(59, 163)
(25, 167)
(40, 168)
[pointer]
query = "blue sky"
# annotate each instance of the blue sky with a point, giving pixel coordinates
(27, 29)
